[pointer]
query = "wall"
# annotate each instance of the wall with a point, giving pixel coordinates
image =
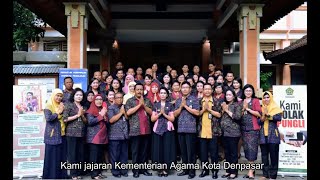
(174, 54)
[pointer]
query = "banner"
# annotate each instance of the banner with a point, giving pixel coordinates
(293, 129)
(49, 82)
(28, 130)
(79, 76)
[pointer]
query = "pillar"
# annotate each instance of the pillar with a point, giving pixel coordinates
(205, 56)
(77, 23)
(249, 29)
(286, 75)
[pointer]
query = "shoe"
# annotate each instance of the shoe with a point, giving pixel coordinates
(246, 176)
(116, 175)
(97, 177)
(165, 174)
(102, 176)
(124, 174)
(183, 173)
(235, 176)
(225, 175)
(146, 173)
(178, 158)
(136, 174)
(204, 173)
(160, 174)
(215, 175)
(191, 176)
(239, 156)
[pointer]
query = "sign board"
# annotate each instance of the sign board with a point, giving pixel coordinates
(28, 129)
(293, 129)
(79, 76)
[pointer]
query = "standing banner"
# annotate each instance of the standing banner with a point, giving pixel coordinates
(79, 76)
(293, 129)
(28, 130)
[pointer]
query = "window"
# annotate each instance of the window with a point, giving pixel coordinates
(55, 46)
(267, 47)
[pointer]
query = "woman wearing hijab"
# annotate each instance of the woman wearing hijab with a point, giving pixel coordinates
(270, 136)
(163, 140)
(89, 98)
(130, 92)
(129, 78)
(97, 132)
(153, 94)
(54, 138)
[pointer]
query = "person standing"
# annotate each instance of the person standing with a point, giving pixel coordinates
(54, 138)
(73, 116)
(138, 110)
(249, 126)
(97, 133)
(118, 135)
(186, 110)
(163, 138)
(270, 136)
(230, 125)
(209, 129)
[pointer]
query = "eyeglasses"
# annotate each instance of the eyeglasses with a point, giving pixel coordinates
(266, 97)
(99, 99)
(118, 97)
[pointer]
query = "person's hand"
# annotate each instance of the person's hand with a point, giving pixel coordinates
(103, 111)
(245, 105)
(224, 107)
(141, 101)
(183, 102)
(80, 111)
(60, 108)
(162, 110)
(122, 109)
(206, 105)
(265, 110)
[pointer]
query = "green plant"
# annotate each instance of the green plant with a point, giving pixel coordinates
(26, 26)
(264, 83)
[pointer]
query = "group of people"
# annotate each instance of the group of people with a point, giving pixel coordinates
(160, 116)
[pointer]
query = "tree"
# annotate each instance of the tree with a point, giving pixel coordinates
(264, 83)
(26, 26)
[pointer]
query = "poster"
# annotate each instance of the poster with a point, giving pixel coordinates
(79, 76)
(49, 82)
(28, 129)
(293, 129)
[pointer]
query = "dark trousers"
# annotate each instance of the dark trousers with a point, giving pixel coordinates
(270, 170)
(75, 153)
(211, 146)
(53, 157)
(96, 156)
(139, 147)
(231, 152)
(118, 151)
(187, 142)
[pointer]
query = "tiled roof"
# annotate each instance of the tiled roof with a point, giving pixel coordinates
(37, 68)
(299, 43)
